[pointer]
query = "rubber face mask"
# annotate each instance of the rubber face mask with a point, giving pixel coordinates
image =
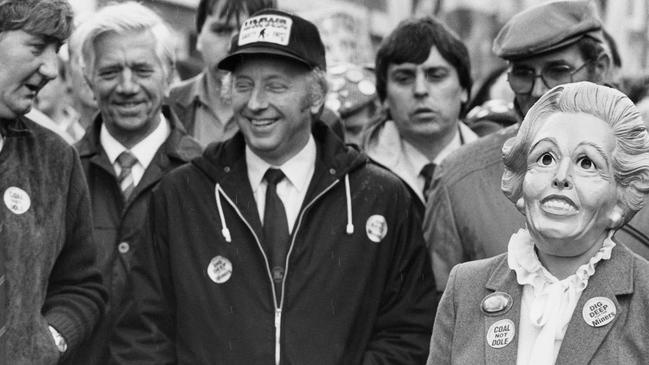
(569, 190)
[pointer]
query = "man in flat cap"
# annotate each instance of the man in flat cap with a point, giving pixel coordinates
(279, 245)
(467, 216)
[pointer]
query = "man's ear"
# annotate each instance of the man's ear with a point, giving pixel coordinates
(464, 96)
(602, 66)
(316, 103)
(170, 78)
(89, 82)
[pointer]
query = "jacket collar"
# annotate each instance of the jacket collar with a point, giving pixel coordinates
(191, 90)
(224, 164)
(179, 144)
(220, 158)
(614, 277)
(14, 127)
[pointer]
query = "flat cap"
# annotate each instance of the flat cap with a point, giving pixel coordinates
(547, 27)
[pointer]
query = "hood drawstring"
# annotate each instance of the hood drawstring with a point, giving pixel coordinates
(225, 231)
(350, 225)
(349, 229)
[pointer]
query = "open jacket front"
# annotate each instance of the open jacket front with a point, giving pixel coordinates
(460, 332)
(350, 296)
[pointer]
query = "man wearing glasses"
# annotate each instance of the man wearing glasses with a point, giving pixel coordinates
(467, 216)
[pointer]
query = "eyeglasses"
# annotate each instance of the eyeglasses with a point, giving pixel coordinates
(522, 80)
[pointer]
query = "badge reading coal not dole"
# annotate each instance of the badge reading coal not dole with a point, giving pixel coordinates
(376, 228)
(269, 28)
(501, 333)
(219, 269)
(599, 311)
(17, 200)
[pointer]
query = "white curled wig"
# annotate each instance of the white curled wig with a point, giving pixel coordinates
(630, 156)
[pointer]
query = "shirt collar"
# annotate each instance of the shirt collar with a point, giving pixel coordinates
(144, 150)
(464, 135)
(296, 169)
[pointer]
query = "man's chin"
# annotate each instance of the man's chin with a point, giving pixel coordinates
(20, 110)
(525, 106)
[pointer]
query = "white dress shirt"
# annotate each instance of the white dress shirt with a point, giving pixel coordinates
(144, 150)
(291, 190)
(402, 158)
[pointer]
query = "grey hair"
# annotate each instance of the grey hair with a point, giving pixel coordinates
(319, 87)
(630, 156)
(75, 42)
(51, 19)
(124, 18)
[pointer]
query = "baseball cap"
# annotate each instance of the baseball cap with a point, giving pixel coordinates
(275, 32)
(547, 27)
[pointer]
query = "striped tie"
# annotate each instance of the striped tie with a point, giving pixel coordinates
(126, 160)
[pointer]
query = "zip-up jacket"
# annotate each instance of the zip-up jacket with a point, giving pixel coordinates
(357, 289)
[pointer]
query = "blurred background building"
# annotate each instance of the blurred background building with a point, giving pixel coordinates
(352, 29)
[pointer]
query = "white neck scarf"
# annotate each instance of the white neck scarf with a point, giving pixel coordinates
(550, 301)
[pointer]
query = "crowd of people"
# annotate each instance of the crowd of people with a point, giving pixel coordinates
(277, 209)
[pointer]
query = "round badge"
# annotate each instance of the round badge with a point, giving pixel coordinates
(497, 303)
(366, 87)
(219, 269)
(376, 228)
(501, 333)
(333, 104)
(336, 83)
(354, 75)
(17, 200)
(599, 311)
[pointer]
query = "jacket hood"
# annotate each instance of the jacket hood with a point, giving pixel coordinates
(339, 159)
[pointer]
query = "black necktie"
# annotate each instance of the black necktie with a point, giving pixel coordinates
(427, 172)
(276, 237)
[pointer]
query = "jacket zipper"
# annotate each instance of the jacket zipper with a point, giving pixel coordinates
(278, 332)
(278, 306)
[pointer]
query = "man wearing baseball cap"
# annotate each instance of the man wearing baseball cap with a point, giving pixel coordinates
(279, 245)
(467, 216)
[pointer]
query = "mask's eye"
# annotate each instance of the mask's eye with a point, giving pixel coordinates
(586, 163)
(546, 159)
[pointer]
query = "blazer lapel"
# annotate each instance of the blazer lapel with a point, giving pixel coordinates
(503, 279)
(612, 277)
